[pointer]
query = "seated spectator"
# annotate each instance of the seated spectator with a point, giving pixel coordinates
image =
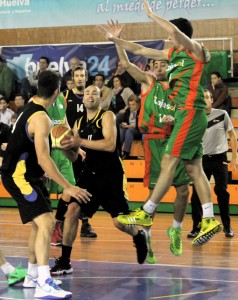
(99, 81)
(129, 81)
(7, 82)
(149, 68)
(117, 99)
(5, 131)
(19, 102)
(5, 112)
(29, 85)
(219, 91)
(129, 130)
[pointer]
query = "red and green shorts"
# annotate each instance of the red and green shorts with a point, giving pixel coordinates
(186, 138)
(154, 151)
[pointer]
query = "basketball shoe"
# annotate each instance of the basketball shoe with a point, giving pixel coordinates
(209, 227)
(138, 217)
(176, 246)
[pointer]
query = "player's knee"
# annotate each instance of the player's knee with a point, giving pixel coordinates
(73, 211)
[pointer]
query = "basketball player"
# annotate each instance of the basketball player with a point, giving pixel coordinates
(102, 175)
(27, 159)
(187, 59)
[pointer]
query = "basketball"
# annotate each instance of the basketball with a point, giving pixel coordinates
(58, 134)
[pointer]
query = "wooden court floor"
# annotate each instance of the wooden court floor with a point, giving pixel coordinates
(105, 268)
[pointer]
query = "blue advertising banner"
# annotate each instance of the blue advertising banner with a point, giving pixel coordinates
(54, 13)
(97, 58)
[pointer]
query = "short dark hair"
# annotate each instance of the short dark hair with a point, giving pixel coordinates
(216, 73)
(120, 78)
(19, 95)
(184, 26)
(101, 75)
(208, 91)
(48, 82)
(46, 59)
(81, 69)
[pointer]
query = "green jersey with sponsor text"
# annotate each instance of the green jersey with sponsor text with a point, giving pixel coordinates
(186, 78)
(154, 106)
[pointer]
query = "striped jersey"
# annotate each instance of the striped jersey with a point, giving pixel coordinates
(154, 106)
(186, 79)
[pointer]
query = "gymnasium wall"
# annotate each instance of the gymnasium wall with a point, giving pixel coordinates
(134, 31)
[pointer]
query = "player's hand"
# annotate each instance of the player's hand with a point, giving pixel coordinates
(168, 120)
(76, 192)
(148, 9)
(112, 29)
(71, 142)
(82, 154)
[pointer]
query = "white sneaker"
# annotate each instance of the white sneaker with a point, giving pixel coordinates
(51, 290)
(31, 282)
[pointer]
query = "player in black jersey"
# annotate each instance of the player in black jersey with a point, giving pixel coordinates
(102, 175)
(74, 110)
(26, 160)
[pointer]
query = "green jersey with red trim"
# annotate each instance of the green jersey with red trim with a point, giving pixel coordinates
(154, 106)
(186, 78)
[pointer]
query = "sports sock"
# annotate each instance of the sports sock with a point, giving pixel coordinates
(32, 270)
(147, 231)
(177, 224)
(7, 268)
(43, 274)
(149, 207)
(66, 252)
(207, 210)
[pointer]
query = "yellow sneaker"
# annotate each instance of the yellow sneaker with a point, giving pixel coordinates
(138, 217)
(209, 227)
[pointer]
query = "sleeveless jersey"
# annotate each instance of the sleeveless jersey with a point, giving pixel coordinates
(57, 111)
(154, 106)
(20, 160)
(186, 79)
(74, 106)
(98, 161)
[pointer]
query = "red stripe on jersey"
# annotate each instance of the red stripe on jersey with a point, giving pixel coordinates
(182, 134)
(142, 108)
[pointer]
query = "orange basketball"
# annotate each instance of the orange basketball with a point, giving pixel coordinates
(58, 133)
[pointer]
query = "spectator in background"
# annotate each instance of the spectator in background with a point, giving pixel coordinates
(73, 63)
(117, 99)
(99, 81)
(29, 85)
(5, 112)
(149, 68)
(129, 130)
(69, 83)
(7, 82)
(219, 91)
(19, 102)
(128, 80)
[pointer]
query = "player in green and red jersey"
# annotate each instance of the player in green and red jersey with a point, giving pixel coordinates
(187, 59)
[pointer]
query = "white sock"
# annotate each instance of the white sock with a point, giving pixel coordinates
(32, 270)
(177, 224)
(150, 207)
(207, 210)
(7, 268)
(147, 231)
(43, 274)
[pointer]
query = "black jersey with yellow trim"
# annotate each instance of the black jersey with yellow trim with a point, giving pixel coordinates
(74, 106)
(97, 160)
(20, 158)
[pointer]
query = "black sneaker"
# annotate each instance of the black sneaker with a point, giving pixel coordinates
(141, 246)
(193, 234)
(61, 267)
(228, 232)
(87, 231)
